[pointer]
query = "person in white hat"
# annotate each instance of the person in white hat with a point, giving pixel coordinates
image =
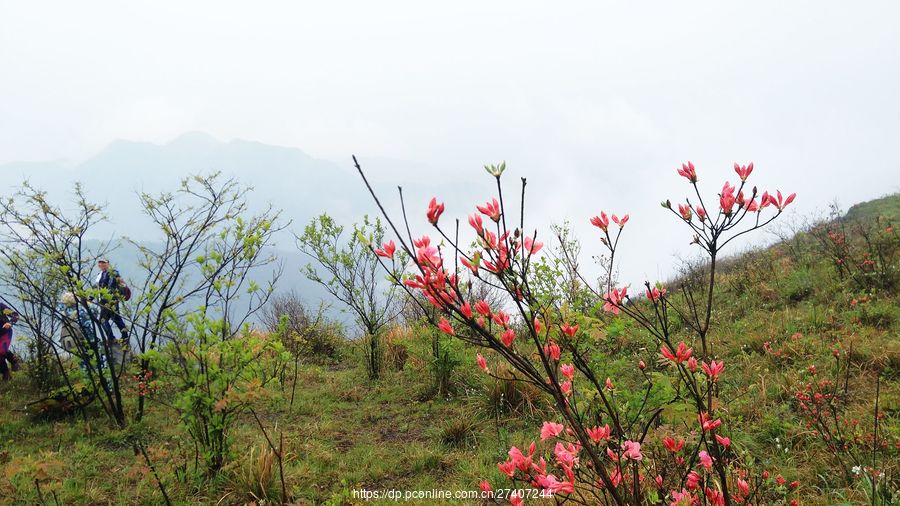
(109, 280)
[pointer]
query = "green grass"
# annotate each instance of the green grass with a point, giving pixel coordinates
(343, 433)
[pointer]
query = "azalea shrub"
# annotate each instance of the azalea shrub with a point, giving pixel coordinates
(669, 440)
(862, 251)
(852, 440)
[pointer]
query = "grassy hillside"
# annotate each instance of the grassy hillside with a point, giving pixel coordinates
(887, 207)
(789, 317)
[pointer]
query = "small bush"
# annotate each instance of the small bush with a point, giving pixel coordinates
(459, 432)
(510, 395)
(254, 475)
(798, 285)
(396, 352)
(877, 314)
(309, 335)
(444, 361)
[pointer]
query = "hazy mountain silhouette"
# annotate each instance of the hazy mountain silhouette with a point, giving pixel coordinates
(287, 178)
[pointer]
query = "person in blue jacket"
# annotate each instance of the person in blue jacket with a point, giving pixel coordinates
(111, 283)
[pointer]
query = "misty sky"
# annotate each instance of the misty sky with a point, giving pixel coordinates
(595, 102)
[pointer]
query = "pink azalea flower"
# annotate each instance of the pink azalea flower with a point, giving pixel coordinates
(743, 171)
(532, 246)
(508, 336)
(445, 326)
(434, 211)
(387, 250)
(708, 424)
(705, 460)
(656, 293)
(701, 213)
(713, 369)
(683, 498)
(727, 198)
(476, 223)
(616, 477)
(507, 468)
(569, 330)
(598, 434)
(552, 350)
(714, 497)
(551, 429)
(518, 459)
(693, 480)
(688, 172)
(692, 364)
(614, 299)
(601, 222)
(566, 454)
(743, 487)
(620, 221)
(632, 450)
(672, 445)
(482, 363)
(491, 210)
(501, 318)
(724, 441)
(680, 355)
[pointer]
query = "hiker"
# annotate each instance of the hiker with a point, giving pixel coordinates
(110, 280)
(77, 334)
(7, 318)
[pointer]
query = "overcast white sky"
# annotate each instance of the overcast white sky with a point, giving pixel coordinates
(596, 102)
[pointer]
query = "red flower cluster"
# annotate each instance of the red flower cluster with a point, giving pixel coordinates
(144, 384)
(680, 355)
(436, 284)
(731, 196)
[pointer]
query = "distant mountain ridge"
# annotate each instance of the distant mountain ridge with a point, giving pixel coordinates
(286, 178)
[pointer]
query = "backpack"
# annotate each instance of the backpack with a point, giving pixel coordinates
(123, 288)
